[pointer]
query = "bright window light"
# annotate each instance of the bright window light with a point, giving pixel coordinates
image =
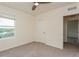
(7, 27)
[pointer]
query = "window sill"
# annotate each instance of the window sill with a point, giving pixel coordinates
(7, 38)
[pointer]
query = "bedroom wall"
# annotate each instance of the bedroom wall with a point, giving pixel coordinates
(24, 28)
(49, 25)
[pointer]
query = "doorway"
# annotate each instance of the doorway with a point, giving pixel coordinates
(71, 29)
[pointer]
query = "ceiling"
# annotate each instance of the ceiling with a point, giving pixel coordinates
(27, 6)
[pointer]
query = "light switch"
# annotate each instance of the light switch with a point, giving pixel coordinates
(43, 32)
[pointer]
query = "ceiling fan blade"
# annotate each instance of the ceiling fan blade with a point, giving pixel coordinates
(44, 2)
(34, 7)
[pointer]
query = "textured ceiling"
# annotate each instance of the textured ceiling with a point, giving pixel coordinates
(27, 6)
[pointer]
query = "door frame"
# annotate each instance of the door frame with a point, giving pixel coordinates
(65, 25)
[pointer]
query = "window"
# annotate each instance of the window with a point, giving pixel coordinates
(7, 27)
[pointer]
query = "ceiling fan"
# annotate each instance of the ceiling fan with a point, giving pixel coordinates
(38, 3)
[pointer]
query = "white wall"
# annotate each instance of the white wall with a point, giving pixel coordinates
(50, 26)
(24, 29)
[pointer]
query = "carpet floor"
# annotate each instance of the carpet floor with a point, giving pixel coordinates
(41, 50)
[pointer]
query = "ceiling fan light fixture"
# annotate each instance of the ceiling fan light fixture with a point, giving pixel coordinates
(36, 4)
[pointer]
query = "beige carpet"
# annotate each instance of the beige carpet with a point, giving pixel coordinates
(41, 50)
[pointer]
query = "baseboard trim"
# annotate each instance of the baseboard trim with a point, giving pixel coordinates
(28, 43)
(15, 46)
